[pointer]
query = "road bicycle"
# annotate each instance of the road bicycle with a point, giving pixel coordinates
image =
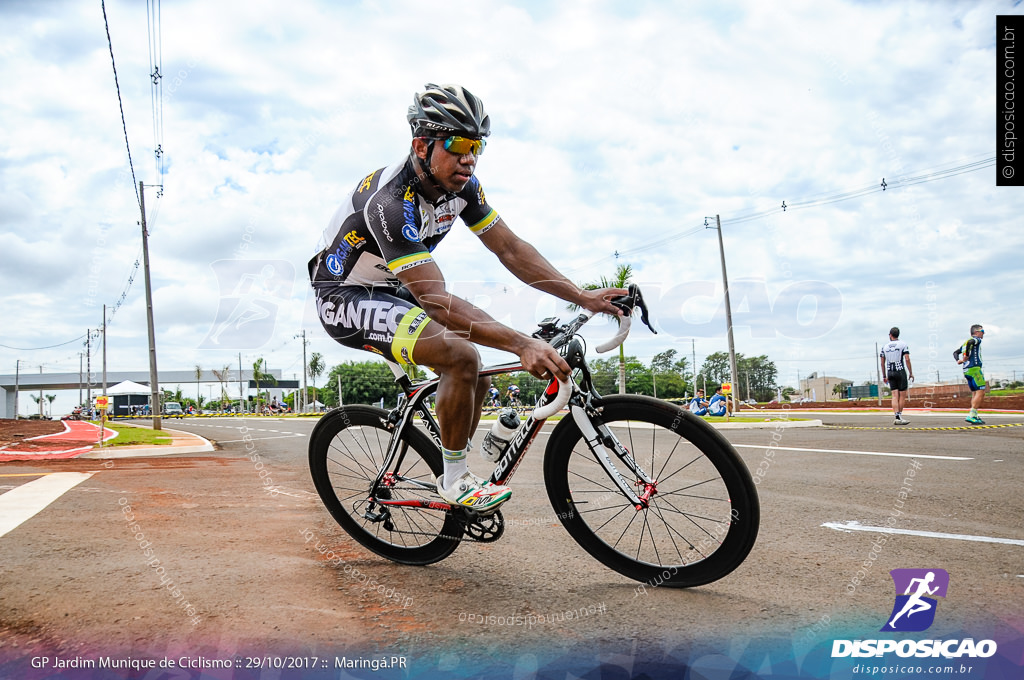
(649, 490)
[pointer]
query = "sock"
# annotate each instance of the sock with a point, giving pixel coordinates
(455, 465)
(974, 413)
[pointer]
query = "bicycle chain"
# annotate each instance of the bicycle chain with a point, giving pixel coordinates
(466, 536)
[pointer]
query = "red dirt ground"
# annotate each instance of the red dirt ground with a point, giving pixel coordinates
(20, 430)
(1013, 403)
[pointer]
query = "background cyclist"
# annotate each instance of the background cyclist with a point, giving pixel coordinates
(895, 363)
(969, 356)
(513, 396)
(379, 289)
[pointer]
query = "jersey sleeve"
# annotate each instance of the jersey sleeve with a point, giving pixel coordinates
(394, 221)
(478, 215)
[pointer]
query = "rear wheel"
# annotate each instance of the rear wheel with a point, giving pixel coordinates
(347, 449)
(702, 520)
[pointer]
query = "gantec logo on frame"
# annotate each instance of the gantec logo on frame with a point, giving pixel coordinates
(914, 610)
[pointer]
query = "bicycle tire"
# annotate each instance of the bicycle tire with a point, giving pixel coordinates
(346, 451)
(695, 537)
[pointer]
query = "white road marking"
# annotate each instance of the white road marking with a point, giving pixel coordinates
(858, 453)
(856, 526)
(256, 439)
(24, 502)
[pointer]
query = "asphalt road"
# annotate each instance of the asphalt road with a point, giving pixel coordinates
(191, 555)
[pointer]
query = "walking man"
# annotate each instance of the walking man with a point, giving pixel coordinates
(895, 360)
(969, 356)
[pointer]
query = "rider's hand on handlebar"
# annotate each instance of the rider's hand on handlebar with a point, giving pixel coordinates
(598, 300)
(541, 360)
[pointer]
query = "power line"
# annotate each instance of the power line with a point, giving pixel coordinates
(816, 200)
(153, 14)
(120, 103)
(32, 349)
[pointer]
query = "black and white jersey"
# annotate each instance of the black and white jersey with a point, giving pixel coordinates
(385, 226)
(894, 352)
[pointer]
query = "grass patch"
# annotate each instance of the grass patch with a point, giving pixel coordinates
(128, 435)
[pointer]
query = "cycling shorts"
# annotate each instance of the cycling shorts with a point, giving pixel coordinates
(898, 381)
(383, 319)
(975, 378)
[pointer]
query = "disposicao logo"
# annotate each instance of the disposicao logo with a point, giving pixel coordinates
(914, 610)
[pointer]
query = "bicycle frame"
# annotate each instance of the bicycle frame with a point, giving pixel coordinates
(599, 438)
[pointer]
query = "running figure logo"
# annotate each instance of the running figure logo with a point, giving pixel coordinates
(251, 292)
(914, 610)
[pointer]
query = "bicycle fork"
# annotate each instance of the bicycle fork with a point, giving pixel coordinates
(605, 445)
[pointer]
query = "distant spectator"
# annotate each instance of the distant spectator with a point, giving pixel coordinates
(699, 405)
(718, 404)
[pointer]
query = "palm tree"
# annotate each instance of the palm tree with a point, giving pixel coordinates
(316, 369)
(50, 398)
(623, 273)
(222, 378)
(259, 376)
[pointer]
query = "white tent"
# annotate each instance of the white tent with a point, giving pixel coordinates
(128, 387)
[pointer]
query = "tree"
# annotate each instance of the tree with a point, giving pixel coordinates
(260, 377)
(50, 398)
(758, 371)
(623, 273)
(668, 375)
(199, 375)
(316, 369)
(222, 377)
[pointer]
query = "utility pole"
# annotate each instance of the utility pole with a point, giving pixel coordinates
(728, 314)
(80, 357)
(17, 367)
(878, 374)
(241, 407)
(104, 350)
(88, 367)
(303, 336)
(693, 348)
(154, 382)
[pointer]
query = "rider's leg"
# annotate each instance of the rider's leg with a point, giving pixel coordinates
(460, 392)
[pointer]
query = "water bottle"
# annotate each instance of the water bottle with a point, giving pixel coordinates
(496, 441)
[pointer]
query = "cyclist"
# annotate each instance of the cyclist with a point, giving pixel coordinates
(894, 361)
(494, 397)
(969, 356)
(379, 289)
(513, 396)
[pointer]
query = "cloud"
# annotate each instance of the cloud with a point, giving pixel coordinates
(616, 129)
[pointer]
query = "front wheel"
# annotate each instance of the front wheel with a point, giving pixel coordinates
(701, 520)
(347, 449)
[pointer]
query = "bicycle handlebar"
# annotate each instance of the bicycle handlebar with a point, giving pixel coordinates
(556, 404)
(628, 304)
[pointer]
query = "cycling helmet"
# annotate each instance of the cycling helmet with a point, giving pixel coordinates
(444, 110)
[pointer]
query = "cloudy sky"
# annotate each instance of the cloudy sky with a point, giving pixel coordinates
(617, 128)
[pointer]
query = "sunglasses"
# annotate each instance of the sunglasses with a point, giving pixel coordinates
(461, 146)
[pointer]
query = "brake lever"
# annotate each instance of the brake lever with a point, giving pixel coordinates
(644, 315)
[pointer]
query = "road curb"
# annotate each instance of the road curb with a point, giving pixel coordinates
(181, 442)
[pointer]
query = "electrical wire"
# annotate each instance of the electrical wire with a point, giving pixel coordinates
(120, 103)
(33, 349)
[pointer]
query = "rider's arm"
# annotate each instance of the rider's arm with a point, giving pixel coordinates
(530, 267)
(427, 284)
